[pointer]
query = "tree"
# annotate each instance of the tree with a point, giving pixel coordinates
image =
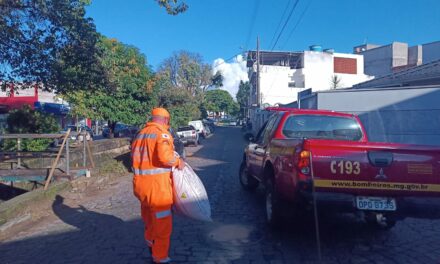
(26, 120)
(173, 7)
(130, 95)
(220, 101)
(186, 70)
(335, 82)
(182, 105)
(217, 80)
(243, 97)
(49, 42)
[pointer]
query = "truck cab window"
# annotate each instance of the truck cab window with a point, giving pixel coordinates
(322, 127)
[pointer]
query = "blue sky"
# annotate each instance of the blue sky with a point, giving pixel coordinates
(220, 28)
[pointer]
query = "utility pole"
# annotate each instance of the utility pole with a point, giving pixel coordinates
(258, 73)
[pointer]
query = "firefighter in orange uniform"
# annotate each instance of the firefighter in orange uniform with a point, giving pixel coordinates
(153, 157)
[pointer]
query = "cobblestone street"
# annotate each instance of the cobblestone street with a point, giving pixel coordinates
(106, 227)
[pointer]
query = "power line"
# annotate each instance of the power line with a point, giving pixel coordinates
(279, 23)
(285, 24)
(253, 18)
(224, 61)
(299, 21)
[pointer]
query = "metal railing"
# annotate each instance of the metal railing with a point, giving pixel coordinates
(20, 173)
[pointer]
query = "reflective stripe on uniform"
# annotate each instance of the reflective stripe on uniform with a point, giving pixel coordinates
(151, 171)
(144, 136)
(163, 214)
(165, 260)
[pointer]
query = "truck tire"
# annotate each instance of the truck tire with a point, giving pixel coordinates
(248, 182)
(273, 205)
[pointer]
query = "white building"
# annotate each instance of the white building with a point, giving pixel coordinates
(284, 74)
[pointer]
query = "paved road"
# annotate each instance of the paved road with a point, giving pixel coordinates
(106, 228)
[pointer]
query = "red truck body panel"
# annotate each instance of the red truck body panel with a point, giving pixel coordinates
(414, 170)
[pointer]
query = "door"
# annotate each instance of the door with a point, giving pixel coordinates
(258, 151)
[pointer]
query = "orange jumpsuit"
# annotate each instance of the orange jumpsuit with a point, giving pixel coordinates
(153, 157)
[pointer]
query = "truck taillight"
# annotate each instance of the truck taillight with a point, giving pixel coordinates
(304, 162)
(193, 132)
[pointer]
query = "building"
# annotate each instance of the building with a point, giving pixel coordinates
(14, 97)
(387, 59)
(425, 74)
(283, 74)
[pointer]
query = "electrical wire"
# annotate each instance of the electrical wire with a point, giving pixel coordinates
(298, 22)
(281, 21)
(224, 61)
(285, 23)
(251, 28)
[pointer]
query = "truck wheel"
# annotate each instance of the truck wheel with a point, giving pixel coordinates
(248, 182)
(273, 216)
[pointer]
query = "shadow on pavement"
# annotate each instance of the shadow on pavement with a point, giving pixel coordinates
(93, 238)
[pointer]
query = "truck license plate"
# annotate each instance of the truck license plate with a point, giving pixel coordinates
(375, 203)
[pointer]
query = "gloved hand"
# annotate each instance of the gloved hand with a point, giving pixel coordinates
(181, 164)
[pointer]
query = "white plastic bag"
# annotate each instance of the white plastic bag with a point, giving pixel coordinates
(190, 197)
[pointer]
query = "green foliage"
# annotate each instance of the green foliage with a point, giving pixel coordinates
(173, 7)
(129, 96)
(243, 96)
(49, 42)
(220, 101)
(184, 79)
(26, 120)
(186, 70)
(181, 104)
(217, 79)
(335, 82)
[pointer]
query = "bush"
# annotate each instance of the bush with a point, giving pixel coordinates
(26, 120)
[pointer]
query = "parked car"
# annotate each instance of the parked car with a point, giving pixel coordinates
(121, 130)
(188, 135)
(306, 155)
(106, 131)
(207, 131)
(210, 124)
(179, 146)
(198, 125)
(76, 134)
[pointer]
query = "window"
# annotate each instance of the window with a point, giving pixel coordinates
(323, 127)
(270, 127)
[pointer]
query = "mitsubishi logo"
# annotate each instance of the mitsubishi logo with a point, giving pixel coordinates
(381, 175)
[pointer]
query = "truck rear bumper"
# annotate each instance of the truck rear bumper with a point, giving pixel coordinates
(418, 207)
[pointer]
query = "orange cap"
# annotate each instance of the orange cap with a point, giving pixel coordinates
(160, 112)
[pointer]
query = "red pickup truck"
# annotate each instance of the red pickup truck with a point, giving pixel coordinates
(302, 156)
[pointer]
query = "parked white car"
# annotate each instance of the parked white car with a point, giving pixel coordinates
(198, 125)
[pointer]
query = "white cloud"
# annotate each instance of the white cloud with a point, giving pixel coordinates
(232, 72)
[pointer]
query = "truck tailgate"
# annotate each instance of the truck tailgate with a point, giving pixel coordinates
(374, 169)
